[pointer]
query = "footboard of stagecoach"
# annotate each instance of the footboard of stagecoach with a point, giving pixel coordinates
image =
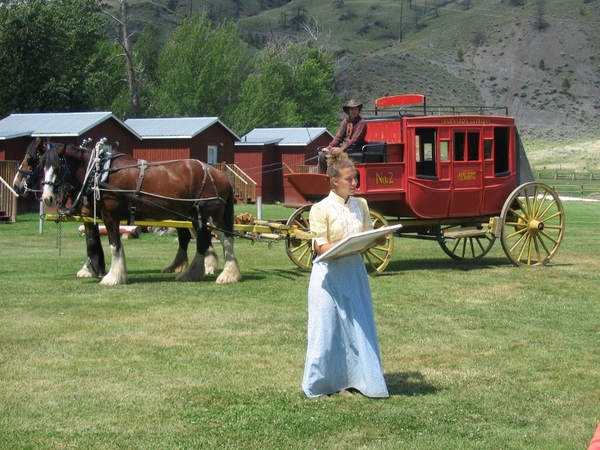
(307, 188)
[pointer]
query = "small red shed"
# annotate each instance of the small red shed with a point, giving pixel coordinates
(265, 154)
(204, 138)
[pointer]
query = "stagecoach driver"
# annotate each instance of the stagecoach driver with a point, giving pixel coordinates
(351, 134)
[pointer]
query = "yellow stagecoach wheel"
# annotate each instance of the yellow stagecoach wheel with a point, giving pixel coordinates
(377, 258)
(298, 242)
(533, 224)
(462, 242)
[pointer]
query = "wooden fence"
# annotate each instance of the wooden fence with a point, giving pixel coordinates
(8, 199)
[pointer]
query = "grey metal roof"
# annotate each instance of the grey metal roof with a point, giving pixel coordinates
(51, 124)
(11, 134)
(285, 136)
(173, 128)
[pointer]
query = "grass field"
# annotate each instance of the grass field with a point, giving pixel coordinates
(477, 355)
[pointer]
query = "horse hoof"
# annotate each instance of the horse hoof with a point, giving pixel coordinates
(84, 273)
(109, 280)
(226, 278)
(231, 274)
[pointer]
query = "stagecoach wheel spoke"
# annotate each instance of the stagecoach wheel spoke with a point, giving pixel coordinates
(377, 258)
(462, 242)
(533, 224)
(298, 242)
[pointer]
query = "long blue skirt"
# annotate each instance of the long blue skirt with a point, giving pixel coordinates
(342, 350)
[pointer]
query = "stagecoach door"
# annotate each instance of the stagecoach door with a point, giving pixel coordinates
(428, 190)
(467, 172)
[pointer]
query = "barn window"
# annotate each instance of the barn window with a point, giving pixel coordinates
(212, 154)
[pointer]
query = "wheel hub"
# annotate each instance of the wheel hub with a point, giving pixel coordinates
(536, 225)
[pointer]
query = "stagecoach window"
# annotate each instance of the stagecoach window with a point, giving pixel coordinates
(487, 149)
(444, 156)
(428, 151)
(473, 145)
(418, 148)
(459, 146)
(425, 151)
(501, 141)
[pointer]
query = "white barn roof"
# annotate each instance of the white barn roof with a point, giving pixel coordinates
(284, 136)
(173, 128)
(51, 124)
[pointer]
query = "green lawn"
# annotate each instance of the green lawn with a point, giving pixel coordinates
(476, 355)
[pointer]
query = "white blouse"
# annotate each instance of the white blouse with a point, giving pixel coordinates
(332, 219)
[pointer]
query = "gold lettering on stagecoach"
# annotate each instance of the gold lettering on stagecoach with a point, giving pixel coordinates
(467, 175)
(380, 178)
(465, 120)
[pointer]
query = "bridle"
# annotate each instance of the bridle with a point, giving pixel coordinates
(32, 175)
(62, 188)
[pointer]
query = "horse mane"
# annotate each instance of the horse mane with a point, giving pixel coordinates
(50, 158)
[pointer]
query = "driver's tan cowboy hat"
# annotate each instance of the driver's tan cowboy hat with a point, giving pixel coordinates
(352, 104)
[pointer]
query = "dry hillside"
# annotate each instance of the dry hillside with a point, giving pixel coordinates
(541, 59)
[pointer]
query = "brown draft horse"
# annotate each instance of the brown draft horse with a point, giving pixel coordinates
(181, 189)
(27, 181)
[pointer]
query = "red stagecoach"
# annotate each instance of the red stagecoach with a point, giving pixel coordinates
(456, 175)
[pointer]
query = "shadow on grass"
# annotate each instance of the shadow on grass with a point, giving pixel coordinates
(445, 264)
(409, 384)
(151, 276)
(259, 274)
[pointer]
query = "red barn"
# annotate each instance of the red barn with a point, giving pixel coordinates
(204, 138)
(266, 153)
(18, 130)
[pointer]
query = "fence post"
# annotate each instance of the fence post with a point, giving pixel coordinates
(259, 208)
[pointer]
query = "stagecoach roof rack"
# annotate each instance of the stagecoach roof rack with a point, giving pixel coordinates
(416, 105)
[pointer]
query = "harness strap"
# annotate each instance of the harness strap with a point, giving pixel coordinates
(143, 165)
(198, 203)
(204, 179)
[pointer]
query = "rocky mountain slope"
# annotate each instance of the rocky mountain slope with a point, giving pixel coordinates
(538, 58)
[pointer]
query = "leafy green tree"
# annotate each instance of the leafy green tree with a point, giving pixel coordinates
(291, 85)
(51, 54)
(147, 50)
(201, 69)
(313, 91)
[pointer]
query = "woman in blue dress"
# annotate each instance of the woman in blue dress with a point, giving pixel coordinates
(342, 353)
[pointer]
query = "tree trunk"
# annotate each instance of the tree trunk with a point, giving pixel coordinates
(132, 82)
